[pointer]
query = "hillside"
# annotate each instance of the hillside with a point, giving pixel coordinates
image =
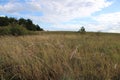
(60, 56)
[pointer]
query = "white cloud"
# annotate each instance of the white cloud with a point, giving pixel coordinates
(65, 10)
(113, 18)
(109, 21)
(66, 27)
(56, 11)
(17, 6)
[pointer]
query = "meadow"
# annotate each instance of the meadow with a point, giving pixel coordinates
(60, 56)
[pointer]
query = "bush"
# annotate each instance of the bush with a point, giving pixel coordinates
(18, 30)
(13, 30)
(5, 31)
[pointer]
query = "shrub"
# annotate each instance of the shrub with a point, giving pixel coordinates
(13, 30)
(18, 30)
(5, 31)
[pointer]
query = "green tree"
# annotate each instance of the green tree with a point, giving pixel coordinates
(12, 20)
(29, 25)
(82, 29)
(22, 21)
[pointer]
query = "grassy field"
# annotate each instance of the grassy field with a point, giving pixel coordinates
(60, 56)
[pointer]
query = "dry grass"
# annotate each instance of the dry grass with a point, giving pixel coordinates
(60, 56)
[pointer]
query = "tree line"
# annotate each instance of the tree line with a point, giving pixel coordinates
(13, 26)
(26, 23)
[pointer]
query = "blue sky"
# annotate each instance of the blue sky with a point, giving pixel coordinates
(66, 15)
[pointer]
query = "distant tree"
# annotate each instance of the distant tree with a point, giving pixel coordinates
(82, 29)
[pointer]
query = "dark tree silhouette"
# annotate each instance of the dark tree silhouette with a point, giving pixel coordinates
(26, 23)
(82, 29)
(22, 21)
(12, 20)
(4, 21)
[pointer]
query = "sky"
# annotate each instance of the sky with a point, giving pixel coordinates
(66, 15)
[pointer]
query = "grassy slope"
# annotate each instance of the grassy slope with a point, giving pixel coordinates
(60, 56)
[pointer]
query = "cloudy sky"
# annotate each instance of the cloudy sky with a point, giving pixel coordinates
(66, 15)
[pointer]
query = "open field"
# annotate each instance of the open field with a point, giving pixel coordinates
(60, 56)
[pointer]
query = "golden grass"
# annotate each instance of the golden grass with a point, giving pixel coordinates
(60, 56)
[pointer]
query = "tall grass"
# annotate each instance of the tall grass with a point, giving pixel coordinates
(60, 56)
